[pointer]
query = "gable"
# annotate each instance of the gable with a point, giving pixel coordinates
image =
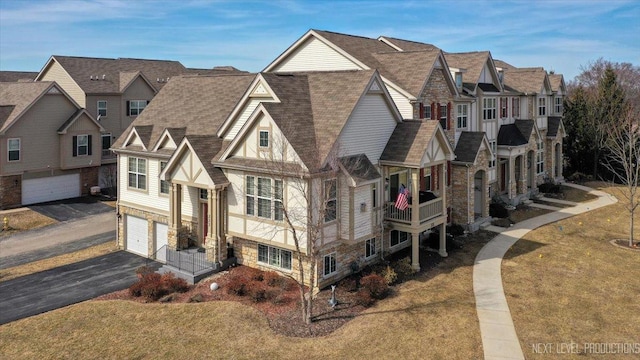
(53, 71)
(185, 167)
(133, 140)
(486, 76)
(166, 142)
(139, 89)
(314, 54)
(435, 151)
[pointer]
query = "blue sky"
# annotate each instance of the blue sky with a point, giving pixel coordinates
(558, 35)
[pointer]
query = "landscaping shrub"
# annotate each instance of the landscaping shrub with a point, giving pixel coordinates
(237, 285)
(455, 229)
(375, 285)
(364, 298)
(403, 269)
(153, 286)
(349, 284)
(272, 278)
(257, 292)
(550, 188)
(390, 276)
(498, 210)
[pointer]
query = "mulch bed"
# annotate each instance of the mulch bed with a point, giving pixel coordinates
(285, 315)
(624, 243)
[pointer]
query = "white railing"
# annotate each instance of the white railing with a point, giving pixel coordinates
(427, 211)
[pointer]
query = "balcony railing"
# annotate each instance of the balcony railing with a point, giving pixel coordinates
(427, 210)
(189, 260)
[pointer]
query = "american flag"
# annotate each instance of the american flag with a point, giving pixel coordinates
(402, 202)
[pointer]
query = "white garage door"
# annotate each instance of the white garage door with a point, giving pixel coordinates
(50, 188)
(137, 235)
(161, 240)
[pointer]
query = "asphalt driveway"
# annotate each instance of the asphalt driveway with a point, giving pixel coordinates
(52, 289)
(69, 209)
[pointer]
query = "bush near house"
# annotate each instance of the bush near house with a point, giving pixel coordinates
(152, 286)
(498, 210)
(550, 188)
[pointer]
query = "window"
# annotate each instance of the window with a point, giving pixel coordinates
(13, 148)
(274, 257)
(542, 108)
(459, 80)
(81, 145)
(558, 107)
(489, 109)
(329, 264)
(268, 199)
(398, 237)
(462, 116)
(264, 139)
(135, 107)
(540, 158)
(515, 107)
(443, 117)
(330, 209)
(370, 248)
(203, 194)
(164, 185)
(102, 108)
(426, 181)
(137, 173)
(504, 107)
(492, 161)
(374, 195)
(427, 112)
(501, 76)
(106, 144)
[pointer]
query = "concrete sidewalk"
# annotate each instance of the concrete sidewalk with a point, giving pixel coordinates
(499, 339)
(55, 239)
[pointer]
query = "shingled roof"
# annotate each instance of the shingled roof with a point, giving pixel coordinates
(15, 97)
(409, 141)
(516, 134)
(359, 167)
(85, 70)
(15, 76)
(553, 125)
(190, 105)
(408, 45)
(556, 81)
(473, 62)
(468, 146)
(409, 69)
(526, 80)
(314, 108)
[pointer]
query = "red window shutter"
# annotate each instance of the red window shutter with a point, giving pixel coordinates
(439, 111)
(449, 115)
(449, 173)
(423, 183)
(433, 111)
(421, 111)
(506, 105)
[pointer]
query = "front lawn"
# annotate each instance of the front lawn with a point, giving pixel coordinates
(22, 220)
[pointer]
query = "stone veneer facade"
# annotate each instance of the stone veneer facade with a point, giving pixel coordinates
(151, 218)
(463, 199)
(10, 191)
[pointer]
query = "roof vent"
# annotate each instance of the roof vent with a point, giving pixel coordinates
(91, 77)
(103, 76)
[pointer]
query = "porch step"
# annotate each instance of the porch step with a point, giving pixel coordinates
(187, 276)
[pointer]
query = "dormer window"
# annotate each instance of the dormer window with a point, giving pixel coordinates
(459, 80)
(500, 76)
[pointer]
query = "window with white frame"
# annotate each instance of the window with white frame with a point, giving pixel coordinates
(374, 195)
(558, 105)
(137, 173)
(398, 237)
(273, 256)
(329, 264)
(427, 112)
(203, 194)
(264, 198)
(136, 107)
(331, 201)
(515, 108)
(264, 139)
(542, 106)
(463, 114)
(106, 144)
(102, 108)
(426, 179)
(13, 149)
(494, 149)
(489, 109)
(370, 248)
(540, 158)
(459, 80)
(504, 107)
(164, 185)
(443, 117)
(82, 145)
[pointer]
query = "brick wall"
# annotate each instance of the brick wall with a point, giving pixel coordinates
(89, 176)
(10, 191)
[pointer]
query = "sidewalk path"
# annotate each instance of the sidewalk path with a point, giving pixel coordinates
(499, 339)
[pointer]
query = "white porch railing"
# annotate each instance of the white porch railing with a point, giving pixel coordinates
(427, 211)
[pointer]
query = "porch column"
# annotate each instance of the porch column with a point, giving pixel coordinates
(415, 251)
(212, 231)
(175, 215)
(415, 194)
(443, 240)
(512, 175)
(522, 182)
(443, 187)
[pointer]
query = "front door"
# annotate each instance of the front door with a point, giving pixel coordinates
(205, 222)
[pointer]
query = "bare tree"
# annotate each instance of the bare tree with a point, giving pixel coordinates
(623, 160)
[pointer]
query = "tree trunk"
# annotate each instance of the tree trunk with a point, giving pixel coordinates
(596, 156)
(631, 228)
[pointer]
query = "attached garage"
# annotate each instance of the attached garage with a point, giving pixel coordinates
(50, 188)
(160, 233)
(137, 235)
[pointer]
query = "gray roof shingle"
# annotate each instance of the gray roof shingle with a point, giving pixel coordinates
(359, 168)
(409, 141)
(468, 146)
(553, 125)
(473, 62)
(526, 80)
(515, 134)
(15, 76)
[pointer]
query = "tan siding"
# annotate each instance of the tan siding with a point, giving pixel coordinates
(82, 126)
(138, 90)
(343, 201)
(317, 56)
(362, 219)
(112, 123)
(242, 119)
(57, 73)
(402, 103)
(38, 130)
(372, 117)
(149, 199)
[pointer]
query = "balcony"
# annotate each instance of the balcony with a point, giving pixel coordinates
(427, 210)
